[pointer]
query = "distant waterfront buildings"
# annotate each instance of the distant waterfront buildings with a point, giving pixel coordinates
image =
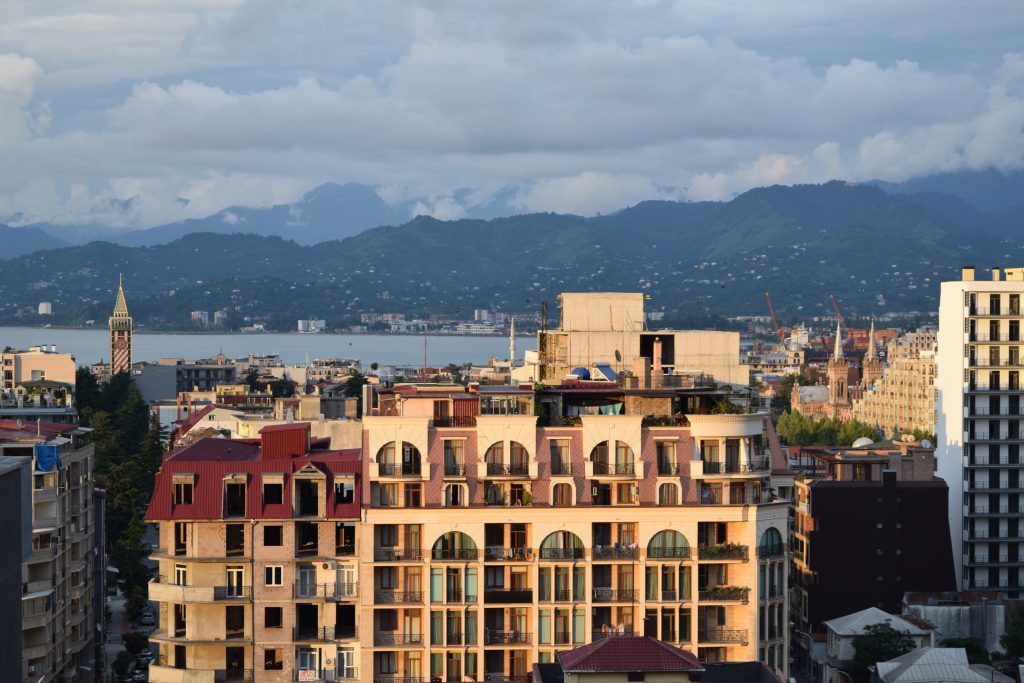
(45, 308)
(201, 318)
(311, 326)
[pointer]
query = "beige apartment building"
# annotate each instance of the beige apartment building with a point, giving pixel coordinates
(36, 364)
(58, 579)
(477, 531)
(904, 398)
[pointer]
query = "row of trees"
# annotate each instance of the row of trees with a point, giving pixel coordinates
(800, 430)
(129, 446)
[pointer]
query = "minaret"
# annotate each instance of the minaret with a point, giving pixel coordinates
(871, 366)
(120, 326)
(512, 343)
(838, 372)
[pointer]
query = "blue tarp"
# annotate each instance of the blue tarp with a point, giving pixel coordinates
(47, 455)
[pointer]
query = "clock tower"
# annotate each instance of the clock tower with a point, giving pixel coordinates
(120, 326)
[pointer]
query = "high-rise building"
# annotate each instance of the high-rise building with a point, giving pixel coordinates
(16, 540)
(978, 384)
(120, 327)
(58, 608)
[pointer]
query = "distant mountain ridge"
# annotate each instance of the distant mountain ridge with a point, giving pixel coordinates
(877, 251)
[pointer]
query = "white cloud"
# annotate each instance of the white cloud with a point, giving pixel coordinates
(115, 111)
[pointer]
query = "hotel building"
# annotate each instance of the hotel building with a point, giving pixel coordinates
(479, 530)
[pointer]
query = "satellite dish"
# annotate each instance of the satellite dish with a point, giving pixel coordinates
(618, 356)
(926, 443)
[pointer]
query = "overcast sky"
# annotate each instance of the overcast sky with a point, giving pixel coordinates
(582, 106)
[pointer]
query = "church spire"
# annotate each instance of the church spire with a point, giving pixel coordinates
(837, 352)
(512, 343)
(872, 353)
(120, 305)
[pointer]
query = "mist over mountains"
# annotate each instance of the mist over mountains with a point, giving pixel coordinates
(880, 247)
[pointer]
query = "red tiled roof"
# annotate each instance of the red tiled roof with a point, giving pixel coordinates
(285, 427)
(628, 653)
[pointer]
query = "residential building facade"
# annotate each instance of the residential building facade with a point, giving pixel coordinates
(903, 399)
(37, 363)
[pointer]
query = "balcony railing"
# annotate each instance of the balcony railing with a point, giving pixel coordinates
(561, 469)
(508, 596)
(397, 555)
(454, 469)
(989, 510)
(609, 632)
(668, 553)
(724, 594)
(394, 469)
(668, 469)
(493, 554)
(726, 551)
(461, 421)
(497, 469)
(754, 464)
(600, 594)
(614, 468)
(390, 597)
(326, 591)
(611, 552)
(232, 592)
(506, 637)
(769, 551)
(386, 638)
(991, 559)
(462, 554)
(562, 553)
(302, 634)
(722, 635)
(665, 421)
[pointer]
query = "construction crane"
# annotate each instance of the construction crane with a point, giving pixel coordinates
(835, 307)
(779, 332)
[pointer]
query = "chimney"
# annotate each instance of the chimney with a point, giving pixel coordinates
(657, 374)
(996, 276)
(967, 273)
(642, 372)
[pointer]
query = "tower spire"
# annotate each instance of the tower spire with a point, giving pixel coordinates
(512, 343)
(872, 352)
(837, 352)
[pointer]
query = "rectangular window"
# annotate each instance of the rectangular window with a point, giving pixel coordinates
(180, 575)
(413, 495)
(272, 660)
(344, 491)
(234, 537)
(272, 535)
(560, 463)
(273, 617)
(182, 493)
(273, 494)
(272, 576)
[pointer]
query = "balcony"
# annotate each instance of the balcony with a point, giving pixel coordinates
(500, 470)
(614, 552)
(561, 554)
(767, 552)
(232, 592)
(494, 554)
(737, 594)
(161, 590)
(668, 469)
(600, 594)
(397, 555)
(454, 469)
(993, 559)
(754, 465)
(325, 591)
(507, 637)
(465, 421)
(396, 469)
(982, 510)
(391, 597)
(454, 597)
(612, 469)
(454, 555)
(160, 672)
(321, 634)
(668, 553)
(508, 596)
(561, 469)
(723, 552)
(722, 635)
(390, 638)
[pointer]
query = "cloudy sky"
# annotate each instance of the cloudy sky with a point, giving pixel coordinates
(581, 106)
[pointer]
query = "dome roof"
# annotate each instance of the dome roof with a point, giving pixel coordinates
(794, 346)
(863, 441)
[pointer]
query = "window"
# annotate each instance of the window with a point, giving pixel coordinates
(560, 463)
(273, 617)
(234, 537)
(180, 575)
(182, 493)
(272, 576)
(562, 495)
(344, 491)
(272, 535)
(273, 494)
(627, 494)
(413, 495)
(272, 659)
(668, 494)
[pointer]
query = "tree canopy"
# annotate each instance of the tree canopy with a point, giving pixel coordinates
(800, 430)
(879, 643)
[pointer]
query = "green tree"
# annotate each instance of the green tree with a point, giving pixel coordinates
(354, 385)
(879, 643)
(252, 380)
(1013, 640)
(87, 394)
(374, 366)
(282, 388)
(976, 652)
(122, 663)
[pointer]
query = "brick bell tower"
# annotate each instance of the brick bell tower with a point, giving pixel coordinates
(120, 326)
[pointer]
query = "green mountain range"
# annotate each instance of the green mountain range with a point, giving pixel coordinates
(878, 251)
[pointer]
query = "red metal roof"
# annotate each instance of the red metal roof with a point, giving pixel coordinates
(210, 460)
(285, 427)
(628, 653)
(33, 427)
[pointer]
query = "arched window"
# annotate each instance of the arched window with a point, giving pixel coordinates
(609, 461)
(668, 494)
(518, 459)
(668, 544)
(561, 545)
(405, 463)
(771, 544)
(455, 495)
(562, 495)
(454, 545)
(495, 459)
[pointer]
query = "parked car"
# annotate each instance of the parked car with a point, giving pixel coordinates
(146, 656)
(147, 619)
(140, 676)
